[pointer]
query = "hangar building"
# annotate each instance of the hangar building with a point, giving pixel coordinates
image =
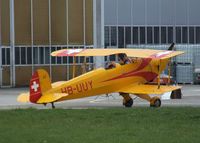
(31, 29)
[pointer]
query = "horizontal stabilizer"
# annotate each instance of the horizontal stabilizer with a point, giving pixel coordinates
(23, 97)
(50, 97)
(148, 89)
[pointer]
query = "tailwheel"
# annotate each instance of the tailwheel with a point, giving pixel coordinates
(127, 101)
(155, 102)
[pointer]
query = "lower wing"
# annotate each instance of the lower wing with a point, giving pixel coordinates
(148, 89)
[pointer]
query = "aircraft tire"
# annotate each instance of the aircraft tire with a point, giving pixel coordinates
(129, 103)
(156, 103)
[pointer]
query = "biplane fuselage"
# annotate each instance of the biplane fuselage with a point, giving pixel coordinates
(103, 81)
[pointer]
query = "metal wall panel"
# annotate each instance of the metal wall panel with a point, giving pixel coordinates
(58, 22)
(110, 9)
(89, 22)
(167, 12)
(5, 22)
(23, 80)
(138, 14)
(59, 73)
(153, 12)
(181, 12)
(184, 73)
(41, 22)
(22, 22)
(75, 22)
(124, 12)
(194, 16)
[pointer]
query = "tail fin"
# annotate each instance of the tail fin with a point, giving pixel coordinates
(40, 82)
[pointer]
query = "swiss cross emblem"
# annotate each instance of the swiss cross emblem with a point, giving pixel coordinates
(35, 86)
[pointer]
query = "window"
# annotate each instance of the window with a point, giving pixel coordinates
(170, 35)
(163, 35)
(184, 35)
(36, 55)
(142, 35)
(107, 35)
(47, 55)
(128, 35)
(149, 35)
(3, 56)
(17, 56)
(120, 37)
(59, 58)
(113, 36)
(23, 55)
(53, 59)
(178, 35)
(8, 56)
(135, 35)
(29, 55)
(156, 35)
(198, 35)
(191, 35)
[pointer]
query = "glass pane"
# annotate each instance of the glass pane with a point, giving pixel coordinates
(163, 35)
(184, 35)
(41, 55)
(58, 58)
(135, 35)
(149, 35)
(53, 59)
(35, 55)
(191, 35)
(17, 55)
(107, 39)
(47, 55)
(113, 36)
(170, 35)
(178, 34)
(128, 35)
(156, 35)
(197, 34)
(120, 37)
(29, 55)
(8, 55)
(142, 35)
(23, 55)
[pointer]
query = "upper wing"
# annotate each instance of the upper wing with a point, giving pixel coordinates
(148, 89)
(139, 53)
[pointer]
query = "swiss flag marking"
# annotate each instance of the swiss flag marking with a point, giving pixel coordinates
(35, 86)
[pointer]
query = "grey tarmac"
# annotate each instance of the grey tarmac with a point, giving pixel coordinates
(8, 96)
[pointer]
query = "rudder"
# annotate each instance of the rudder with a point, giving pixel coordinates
(39, 83)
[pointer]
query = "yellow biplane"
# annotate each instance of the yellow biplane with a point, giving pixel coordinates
(132, 77)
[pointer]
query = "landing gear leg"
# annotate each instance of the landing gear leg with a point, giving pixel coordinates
(52, 105)
(127, 101)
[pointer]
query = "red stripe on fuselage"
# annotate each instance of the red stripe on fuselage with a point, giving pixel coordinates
(143, 64)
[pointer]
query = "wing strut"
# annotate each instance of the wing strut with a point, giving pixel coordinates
(74, 66)
(169, 71)
(159, 74)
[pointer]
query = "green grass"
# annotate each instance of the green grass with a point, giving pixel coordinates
(139, 125)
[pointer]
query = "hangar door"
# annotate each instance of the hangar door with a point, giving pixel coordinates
(5, 68)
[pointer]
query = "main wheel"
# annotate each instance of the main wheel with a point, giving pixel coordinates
(128, 103)
(156, 102)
